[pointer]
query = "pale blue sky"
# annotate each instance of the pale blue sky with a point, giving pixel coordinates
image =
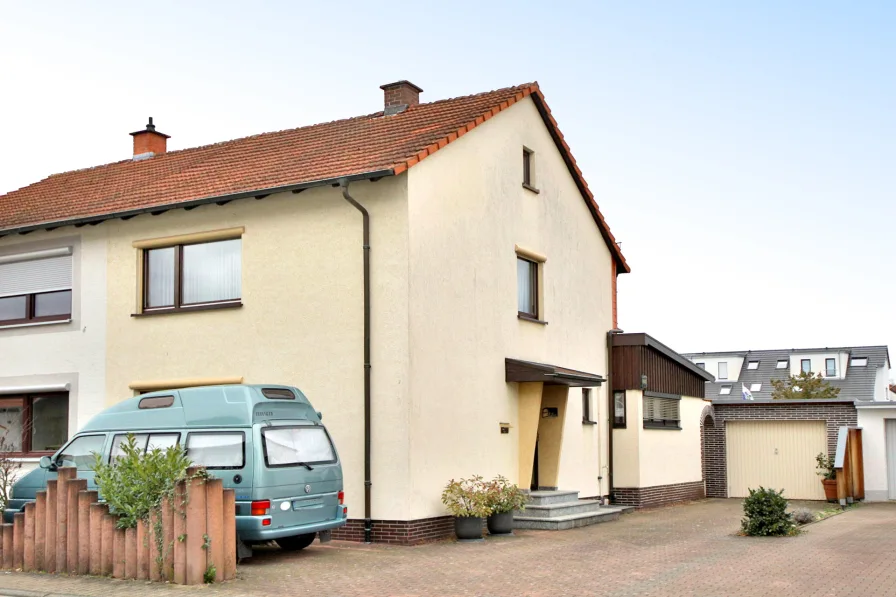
(744, 155)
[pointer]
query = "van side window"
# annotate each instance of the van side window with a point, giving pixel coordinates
(226, 449)
(143, 442)
(80, 452)
(162, 441)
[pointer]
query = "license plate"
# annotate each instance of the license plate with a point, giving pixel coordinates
(324, 536)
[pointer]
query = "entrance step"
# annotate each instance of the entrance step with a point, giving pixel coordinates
(543, 498)
(559, 509)
(569, 521)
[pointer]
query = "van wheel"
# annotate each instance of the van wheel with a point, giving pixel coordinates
(295, 543)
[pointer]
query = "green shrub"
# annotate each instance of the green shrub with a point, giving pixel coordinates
(825, 466)
(134, 483)
(766, 514)
(504, 496)
(467, 497)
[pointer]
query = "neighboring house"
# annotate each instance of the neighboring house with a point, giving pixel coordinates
(762, 441)
(490, 292)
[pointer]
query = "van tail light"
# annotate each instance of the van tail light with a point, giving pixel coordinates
(341, 496)
(345, 512)
(266, 522)
(261, 507)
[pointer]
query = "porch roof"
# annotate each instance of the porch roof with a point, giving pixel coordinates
(516, 370)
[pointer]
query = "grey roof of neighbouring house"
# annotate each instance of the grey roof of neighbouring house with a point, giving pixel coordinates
(857, 385)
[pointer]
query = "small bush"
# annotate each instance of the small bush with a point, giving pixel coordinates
(467, 497)
(766, 514)
(504, 496)
(803, 516)
(134, 484)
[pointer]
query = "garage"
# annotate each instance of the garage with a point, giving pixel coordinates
(775, 454)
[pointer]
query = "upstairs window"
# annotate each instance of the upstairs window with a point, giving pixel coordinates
(782, 364)
(723, 370)
(859, 362)
(830, 368)
(753, 365)
(527, 288)
(529, 169)
(619, 410)
(806, 366)
(724, 390)
(184, 276)
(36, 287)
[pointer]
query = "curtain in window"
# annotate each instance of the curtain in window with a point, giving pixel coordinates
(527, 288)
(212, 272)
(160, 279)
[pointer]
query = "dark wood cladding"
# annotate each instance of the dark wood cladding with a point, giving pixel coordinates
(663, 374)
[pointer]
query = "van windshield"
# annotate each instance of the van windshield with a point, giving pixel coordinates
(297, 446)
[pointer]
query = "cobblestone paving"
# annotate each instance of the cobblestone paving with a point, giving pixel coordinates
(676, 551)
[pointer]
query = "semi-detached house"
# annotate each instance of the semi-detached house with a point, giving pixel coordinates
(435, 277)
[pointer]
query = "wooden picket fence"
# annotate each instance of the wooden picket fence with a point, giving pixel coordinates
(190, 540)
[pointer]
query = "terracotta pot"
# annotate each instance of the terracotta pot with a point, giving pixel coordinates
(830, 489)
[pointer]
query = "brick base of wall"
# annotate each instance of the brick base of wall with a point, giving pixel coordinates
(398, 532)
(646, 497)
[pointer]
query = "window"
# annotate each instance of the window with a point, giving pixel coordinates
(156, 402)
(806, 366)
(36, 287)
(724, 390)
(586, 406)
(619, 410)
(529, 169)
(217, 450)
(661, 412)
(278, 394)
(859, 362)
(752, 365)
(297, 446)
(80, 452)
(702, 366)
(527, 287)
(144, 442)
(186, 276)
(723, 370)
(755, 387)
(35, 423)
(782, 364)
(830, 368)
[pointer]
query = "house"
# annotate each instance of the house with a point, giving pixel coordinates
(434, 276)
(751, 439)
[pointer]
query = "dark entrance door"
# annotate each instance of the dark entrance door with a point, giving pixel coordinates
(534, 484)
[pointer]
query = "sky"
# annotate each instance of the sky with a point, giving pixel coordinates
(743, 153)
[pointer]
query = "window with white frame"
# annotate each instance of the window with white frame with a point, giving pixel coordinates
(830, 368)
(661, 412)
(782, 364)
(755, 387)
(192, 275)
(806, 366)
(723, 370)
(859, 362)
(724, 390)
(752, 365)
(527, 287)
(36, 287)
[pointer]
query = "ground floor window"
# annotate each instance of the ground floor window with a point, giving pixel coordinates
(34, 424)
(661, 411)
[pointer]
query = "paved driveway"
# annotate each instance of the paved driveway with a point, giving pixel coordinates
(680, 550)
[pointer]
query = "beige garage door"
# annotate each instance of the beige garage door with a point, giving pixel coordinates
(775, 454)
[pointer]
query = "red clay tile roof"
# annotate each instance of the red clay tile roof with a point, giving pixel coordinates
(322, 152)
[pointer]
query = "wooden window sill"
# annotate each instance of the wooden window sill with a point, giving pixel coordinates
(529, 187)
(209, 307)
(524, 317)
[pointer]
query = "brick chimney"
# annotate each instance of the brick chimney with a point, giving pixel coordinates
(149, 142)
(399, 96)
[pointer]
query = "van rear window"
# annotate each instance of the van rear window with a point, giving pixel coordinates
(297, 446)
(217, 449)
(278, 394)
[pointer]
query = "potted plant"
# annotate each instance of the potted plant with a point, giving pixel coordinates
(466, 499)
(825, 465)
(503, 498)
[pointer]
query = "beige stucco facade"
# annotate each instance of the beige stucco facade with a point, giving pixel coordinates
(656, 457)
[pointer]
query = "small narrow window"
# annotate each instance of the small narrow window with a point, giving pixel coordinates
(724, 390)
(156, 402)
(830, 368)
(723, 370)
(806, 366)
(278, 394)
(528, 163)
(619, 410)
(702, 366)
(859, 362)
(782, 364)
(755, 387)
(753, 365)
(586, 406)
(527, 288)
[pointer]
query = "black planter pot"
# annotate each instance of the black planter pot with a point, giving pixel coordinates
(500, 524)
(468, 528)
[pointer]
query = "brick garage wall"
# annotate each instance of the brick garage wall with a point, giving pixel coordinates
(398, 532)
(646, 497)
(835, 415)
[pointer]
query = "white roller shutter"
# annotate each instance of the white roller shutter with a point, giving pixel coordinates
(40, 271)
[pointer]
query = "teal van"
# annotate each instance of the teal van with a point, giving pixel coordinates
(266, 442)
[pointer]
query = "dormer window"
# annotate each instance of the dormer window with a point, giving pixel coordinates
(782, 364)
(859, 362)
(830, 368)
(725, 390)
(753, 365)
(723, 370)
(806, 366)
(755, 387)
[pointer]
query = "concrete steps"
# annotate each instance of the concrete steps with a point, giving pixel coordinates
(560, 510)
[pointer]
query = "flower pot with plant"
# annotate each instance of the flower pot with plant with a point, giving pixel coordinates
(503, 498)
(825, 465)
(467, 501)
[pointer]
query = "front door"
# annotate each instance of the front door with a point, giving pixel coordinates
(534, 484)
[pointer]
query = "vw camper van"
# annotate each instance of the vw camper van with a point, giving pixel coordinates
(266, 442)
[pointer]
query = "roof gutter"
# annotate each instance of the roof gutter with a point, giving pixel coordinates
(193, 203)
(365, 219)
